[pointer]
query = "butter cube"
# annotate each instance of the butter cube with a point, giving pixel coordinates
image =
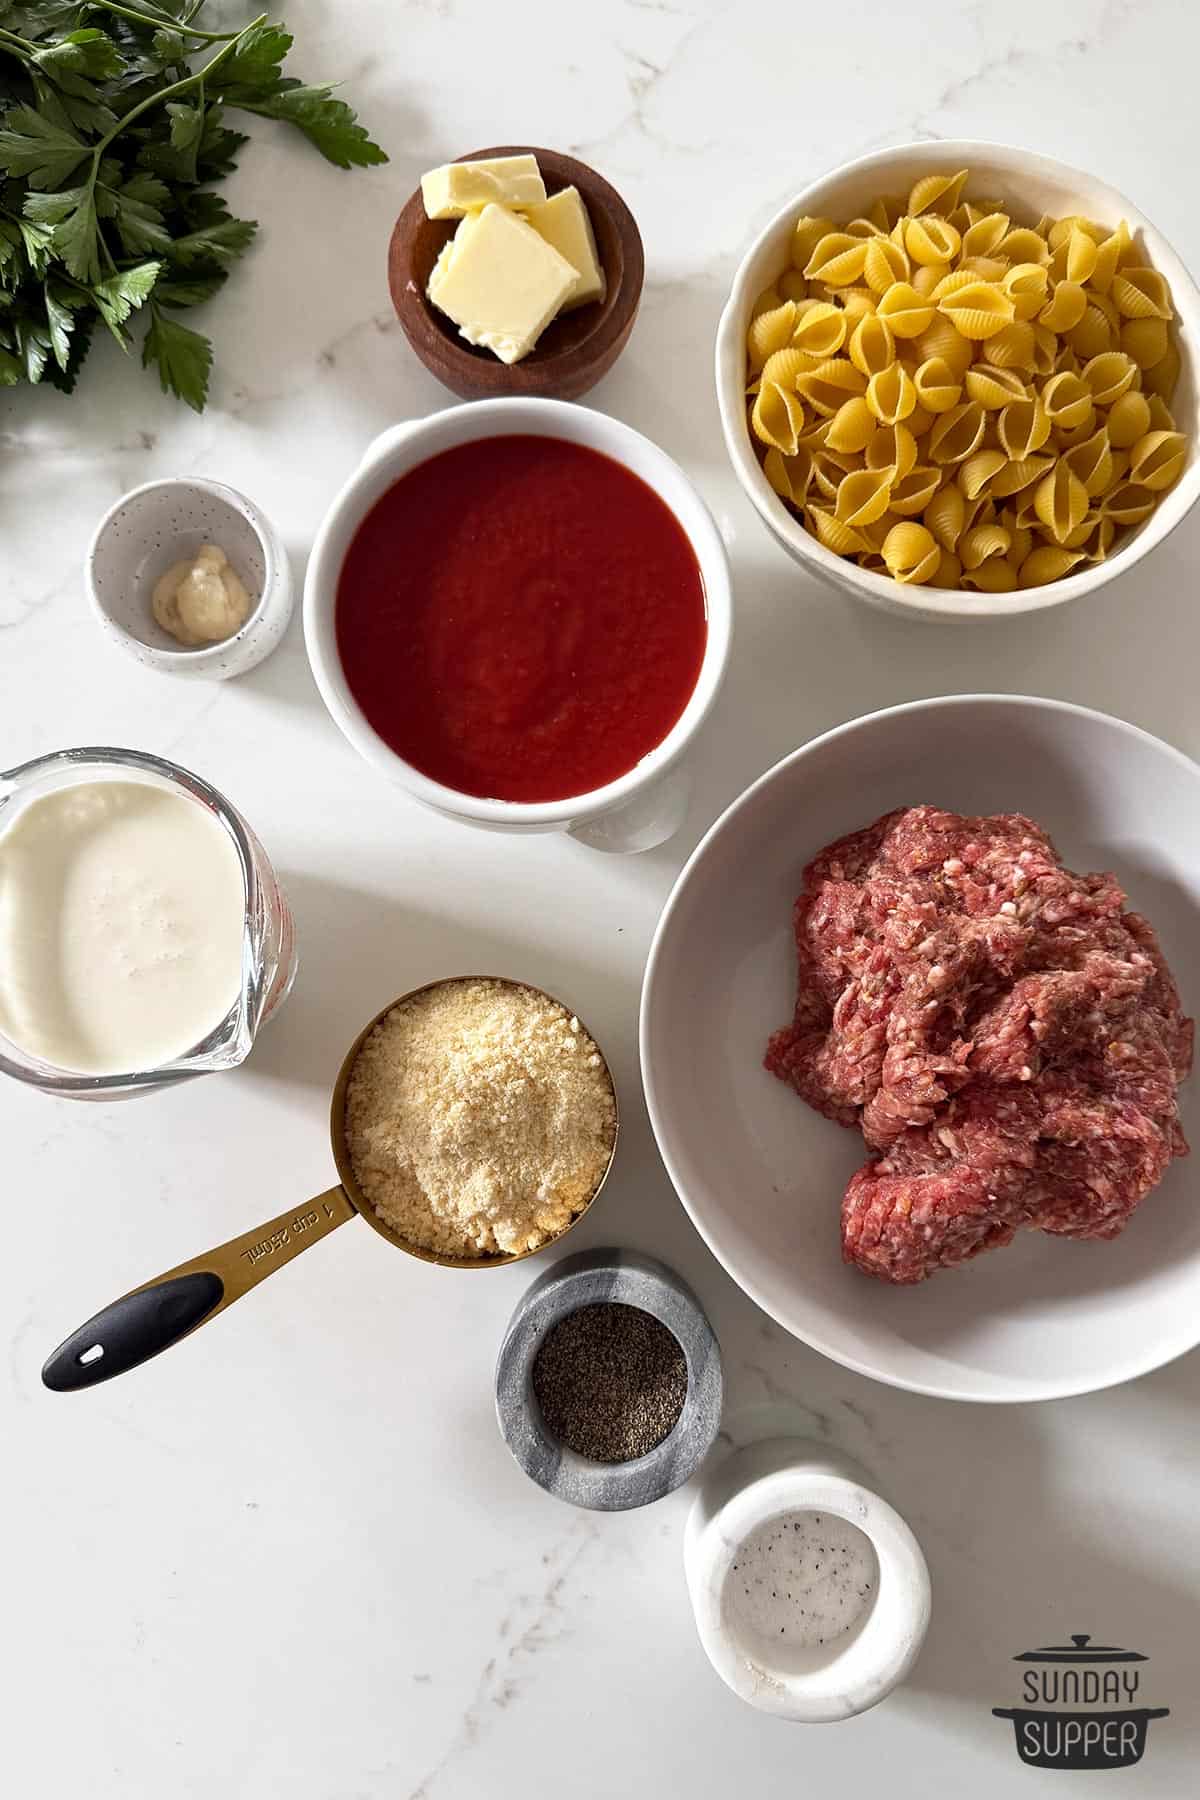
(500, 282)
(459, 188)
(563, 221)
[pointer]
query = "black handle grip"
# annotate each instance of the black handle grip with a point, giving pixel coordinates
(132, 1330)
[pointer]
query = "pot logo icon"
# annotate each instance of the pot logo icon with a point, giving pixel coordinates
(1081, 1706)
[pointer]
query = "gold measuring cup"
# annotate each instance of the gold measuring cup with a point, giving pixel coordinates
(158, 1314)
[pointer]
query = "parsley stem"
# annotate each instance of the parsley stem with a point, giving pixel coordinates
(18, 45)
(164, 22)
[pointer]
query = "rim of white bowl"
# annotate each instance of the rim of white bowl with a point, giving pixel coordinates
(195, 656)
(1024, 1396)
(707, 546)
(928, 602)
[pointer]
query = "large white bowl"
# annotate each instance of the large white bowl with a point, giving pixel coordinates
(762, 1175)
(1034, 185)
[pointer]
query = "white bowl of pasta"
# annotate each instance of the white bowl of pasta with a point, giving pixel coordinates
(980, 398)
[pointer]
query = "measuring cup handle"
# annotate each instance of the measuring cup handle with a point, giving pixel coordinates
(155, 1316)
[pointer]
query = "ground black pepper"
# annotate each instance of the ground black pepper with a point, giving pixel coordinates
(611, 1381)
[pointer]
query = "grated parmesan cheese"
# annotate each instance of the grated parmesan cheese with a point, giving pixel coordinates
(479, 1118)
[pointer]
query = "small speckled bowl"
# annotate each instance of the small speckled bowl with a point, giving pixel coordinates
(612, 1277)
(154, 526)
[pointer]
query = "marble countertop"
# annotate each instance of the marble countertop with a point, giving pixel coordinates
(293, 1556)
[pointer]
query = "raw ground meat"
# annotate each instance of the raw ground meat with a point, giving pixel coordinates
(1007, 1036)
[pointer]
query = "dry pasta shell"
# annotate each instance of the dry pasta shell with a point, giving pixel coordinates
(1145, 341)
(834, 533)
(918, 420)
(1077, 539)
(912, 493)
(943, 341)
(1108, 258)
(1109, 375)
(957, 434)
(945, 516)
(863, 496)
(864, 228)
(1065, 307)
(910, 553)
(1161, 416)
(1081, 253)
(925, 278)
(1102, 539)
(872, 346)
(994, 388)
(884, 263)
(1024, 246)
(820, 329)
(789, 476)
(1093, 334)
(792, 285)
(1022, 428)
(940, 191)
(1157, 459)
(986, 234)
(828, 472)
(951, 280)
(1013, 347)
(891, 394)
(1140, 293)
(1067, 401)
(1014, 477)
(937, 386)
(1128, 504)
(980, 543)
(852, 426)
(767, 301)
(1060, 501)
(1092, 461)
(1162, 377)
(1045, 350)
(1062, 439)
(856, 303)
(784, 366)
(770, 331)
(996, 576)
(985, 268)
(893, 447)
(1128, 420)
(829, 384)
(777, 418)
(976, 474)
(907, 314)
(837, 260)
(931, 239)
(1061, 229)
(979, 310)
(948, 573)
(806, 235)
(1047, 563)
(1020, 539)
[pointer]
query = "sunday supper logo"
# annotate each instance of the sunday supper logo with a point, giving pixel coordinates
(1080, 1708)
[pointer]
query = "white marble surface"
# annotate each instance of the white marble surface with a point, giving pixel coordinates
(293, 1557)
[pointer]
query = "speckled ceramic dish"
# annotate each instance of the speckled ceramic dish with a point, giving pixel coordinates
(154, 526)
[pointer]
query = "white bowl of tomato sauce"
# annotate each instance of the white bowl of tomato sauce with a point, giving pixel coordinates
(521, 611)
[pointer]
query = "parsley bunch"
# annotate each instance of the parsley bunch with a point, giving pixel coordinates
(112, 145)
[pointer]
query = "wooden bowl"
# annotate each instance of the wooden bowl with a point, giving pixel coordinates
(575, 349)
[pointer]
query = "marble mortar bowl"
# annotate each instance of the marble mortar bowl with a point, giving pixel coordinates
(765, 1481)
(597, 1277)
(162, 522)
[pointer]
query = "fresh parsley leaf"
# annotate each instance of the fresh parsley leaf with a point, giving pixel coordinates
(328, 123)
(10, 369)
(60, 321)
(216, 236)
(72, 212)
(256, 60)
(35, 146)
(182, 357)
(89, 52)
(189, 290)
(81, 342)
(33, 345)
(117, 297)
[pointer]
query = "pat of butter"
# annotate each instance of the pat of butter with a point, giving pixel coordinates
(500, 282)
(563, 221)
(459, 188)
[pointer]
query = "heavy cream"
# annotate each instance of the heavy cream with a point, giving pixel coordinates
(121, 920)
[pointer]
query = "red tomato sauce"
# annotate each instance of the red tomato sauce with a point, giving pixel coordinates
(521, 618)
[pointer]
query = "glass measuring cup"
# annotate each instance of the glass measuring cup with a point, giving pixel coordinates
(268, 937)
(158, 1314)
